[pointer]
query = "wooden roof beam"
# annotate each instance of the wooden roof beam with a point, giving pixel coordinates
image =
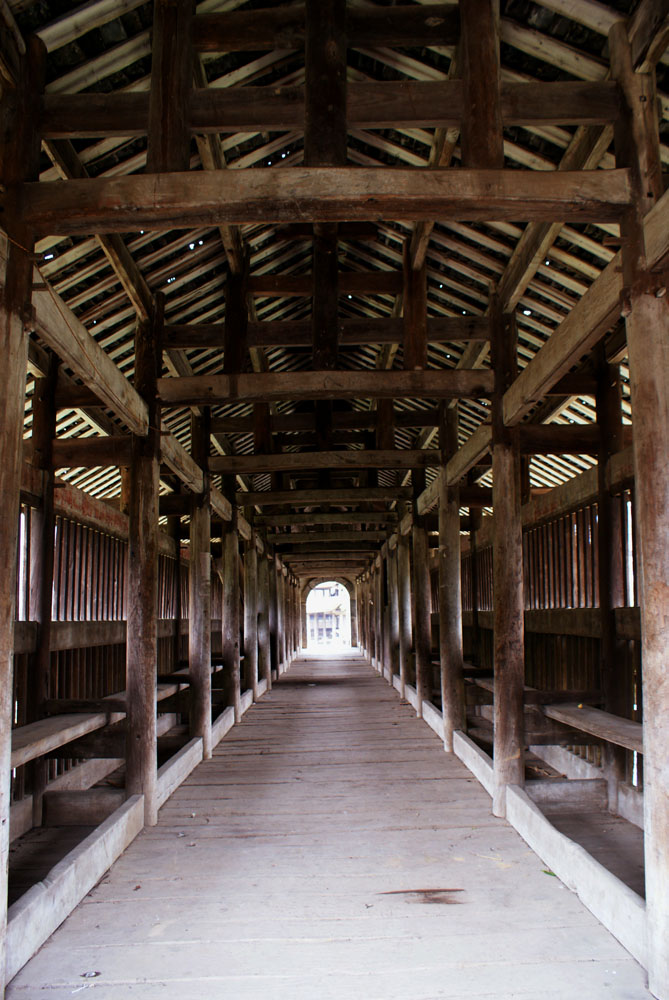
(352, 332)
(285, 28)
(350, 420)
(271, 386)
(345, 459)
(332, 194)
(333, 517)
(315, 497)
(370, 105)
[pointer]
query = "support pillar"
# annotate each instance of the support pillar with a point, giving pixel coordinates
(647, 322)
(199, 593)
(305, 622)
(281, 617)
(41, 567)
(450, 594)
(508, 595)
(142, 610)
(273, 616)
(393, 615)
(475, 527)
(355, 624)
(404, 589)
(615, 684)
(19, 161)
(230, 616)
(378, 619)
(422, 610)
(251, 618)
(264, 651)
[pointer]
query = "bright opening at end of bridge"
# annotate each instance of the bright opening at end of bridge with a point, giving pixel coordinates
(328, 618)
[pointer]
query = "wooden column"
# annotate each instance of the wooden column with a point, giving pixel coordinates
(422, 610)
(362, 604)
(404, 593)
(325, 138)
(355, 619)
(280, 617)
(297, 618)
(380, 632)
(251, 617)
(199, 592)
(450, 595)
(41, 566)
(362, 609)
(230, 615)
(19, 161)
(305, 622)
(508, 596)
(481, 127)
(475, 526)
(647, 322)
(393, 614)
(175, 532)
(273, 615)
(142, 611)
(367, 632)
(264, 650)
(610, 567)
(171, 78)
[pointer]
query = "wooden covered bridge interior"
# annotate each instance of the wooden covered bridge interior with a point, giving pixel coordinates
(370, 292)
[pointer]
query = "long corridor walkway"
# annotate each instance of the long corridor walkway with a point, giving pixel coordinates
(330, 850)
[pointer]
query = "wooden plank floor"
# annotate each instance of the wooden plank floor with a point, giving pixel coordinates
(330, 850)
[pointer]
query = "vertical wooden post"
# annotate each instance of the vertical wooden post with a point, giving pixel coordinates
(19, 161)
(251, 617)
(142, 612)
(178, 615)
(199, 592)
(368, 618)
(171, 77)
(41, 565)
(273, 615)
(475, 527)
(264, 651)
(360, 592)
(508, 596)
(422, 611)
(364, 607)
(305, 623)
(280, 617)
(647, 322)
(375, 604)
(609, 565)
(297, 630)
(230, 614)
(393, 614)
(355, 618)
(404, 588)
(325, 140)
(481, 127)
(450, 595)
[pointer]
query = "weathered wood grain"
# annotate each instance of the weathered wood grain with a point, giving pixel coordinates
(327, 194)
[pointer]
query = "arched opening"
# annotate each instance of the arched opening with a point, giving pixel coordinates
(328, 616)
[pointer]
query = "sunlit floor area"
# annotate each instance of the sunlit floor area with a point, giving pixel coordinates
(331, 850)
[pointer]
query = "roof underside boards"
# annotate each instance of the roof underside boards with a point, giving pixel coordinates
(107, 280)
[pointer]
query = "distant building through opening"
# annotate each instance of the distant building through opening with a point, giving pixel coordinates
(328, 616)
